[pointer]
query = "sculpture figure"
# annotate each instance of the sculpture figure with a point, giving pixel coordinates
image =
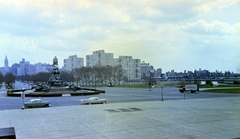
(55, 61)
(55, 79)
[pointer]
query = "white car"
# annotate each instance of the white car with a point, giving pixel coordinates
(94, 100)
(36, 103)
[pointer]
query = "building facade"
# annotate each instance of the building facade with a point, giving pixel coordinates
(147, 71)
(73, 62)
(158, 73)
(99, 58)
(131, 67)
(175, 75)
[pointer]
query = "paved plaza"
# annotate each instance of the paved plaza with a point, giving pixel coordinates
(209, 118)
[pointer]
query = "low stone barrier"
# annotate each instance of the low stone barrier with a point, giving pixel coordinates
(7, 133)
(55, 92)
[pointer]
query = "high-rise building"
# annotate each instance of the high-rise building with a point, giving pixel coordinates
(131, 67)
(158, 72)
(147, 71)
(23, 67)
(99, 58)
(6, 67)
(73, 62)
(15, 68)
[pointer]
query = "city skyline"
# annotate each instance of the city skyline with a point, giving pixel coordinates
(155, 68)
(173, 35)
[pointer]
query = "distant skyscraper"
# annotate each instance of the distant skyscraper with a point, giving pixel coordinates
(6, 67)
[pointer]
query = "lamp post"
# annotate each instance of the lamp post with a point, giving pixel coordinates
(23, 97)
(162, 91)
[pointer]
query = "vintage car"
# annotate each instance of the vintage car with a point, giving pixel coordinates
(36, 103)
(94, 100)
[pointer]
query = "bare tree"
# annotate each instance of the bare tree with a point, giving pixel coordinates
(83, 74)
(41, 77)
(77, 75)
(96, 75)
(108, 73)
(118, 73)
(99, 74)
(67, 76)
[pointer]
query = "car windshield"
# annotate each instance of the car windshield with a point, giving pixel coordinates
(93, 98)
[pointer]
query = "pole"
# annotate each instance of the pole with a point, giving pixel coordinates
(23, 97)
(162, 91)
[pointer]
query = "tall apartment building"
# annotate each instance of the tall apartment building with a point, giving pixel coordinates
(73, 62)
(99, 58)
(131, 66)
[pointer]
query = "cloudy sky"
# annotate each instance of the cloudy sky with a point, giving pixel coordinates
(168, 34)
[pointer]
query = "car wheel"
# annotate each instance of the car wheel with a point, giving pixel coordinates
(46, 105)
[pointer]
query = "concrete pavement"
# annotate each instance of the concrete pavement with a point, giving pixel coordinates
(210, 118)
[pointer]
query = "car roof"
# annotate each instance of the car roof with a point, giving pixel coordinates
(35, 99)
(92, 97)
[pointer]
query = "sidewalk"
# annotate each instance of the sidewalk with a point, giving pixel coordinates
(213, 118)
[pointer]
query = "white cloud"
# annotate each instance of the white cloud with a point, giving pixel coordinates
(152, 12)
(212, 28)
(206, 6)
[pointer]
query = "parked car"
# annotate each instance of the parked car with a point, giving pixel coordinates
(36, 103)
(94, 100)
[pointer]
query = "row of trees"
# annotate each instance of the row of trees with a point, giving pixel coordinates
(44, 77)
(7, 78)
(82, 76)
(99, 74)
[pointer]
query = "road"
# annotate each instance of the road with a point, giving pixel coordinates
(114, 95)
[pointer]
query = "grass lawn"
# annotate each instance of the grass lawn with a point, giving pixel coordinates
(233, 90)
(229, 88)
(135, 85)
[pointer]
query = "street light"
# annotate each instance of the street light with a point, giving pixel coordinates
(162, 91)
(23, 97)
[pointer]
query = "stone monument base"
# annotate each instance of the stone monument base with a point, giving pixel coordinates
(56, 83)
